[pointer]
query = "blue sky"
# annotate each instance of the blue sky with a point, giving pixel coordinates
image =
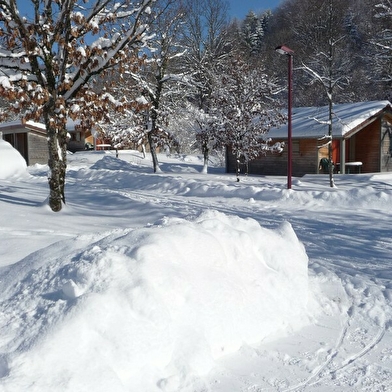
(239, 8)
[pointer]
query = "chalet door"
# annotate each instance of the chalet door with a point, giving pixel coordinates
(19, 142)
(10, 139)
(336, 151)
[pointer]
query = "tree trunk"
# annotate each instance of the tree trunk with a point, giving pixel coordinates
(57, 147)
(205, 158)
(238, 168)
(329, 94)
(153, 151)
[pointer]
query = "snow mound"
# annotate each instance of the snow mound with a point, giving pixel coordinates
(11, 162)
(109, 162)
(148, 309)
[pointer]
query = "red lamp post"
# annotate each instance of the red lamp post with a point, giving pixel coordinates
(289, 53)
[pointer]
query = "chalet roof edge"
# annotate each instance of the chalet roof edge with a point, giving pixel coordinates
(29, 124)
(312, 122)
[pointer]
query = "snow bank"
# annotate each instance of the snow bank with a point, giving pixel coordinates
(11, 162)
(148, 309)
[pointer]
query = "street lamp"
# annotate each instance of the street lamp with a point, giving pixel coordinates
(289, 53)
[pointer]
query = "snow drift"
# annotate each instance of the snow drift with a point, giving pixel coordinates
(150, 308)
(12, 163)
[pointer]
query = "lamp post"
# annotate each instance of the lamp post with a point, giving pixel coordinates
(289, 53)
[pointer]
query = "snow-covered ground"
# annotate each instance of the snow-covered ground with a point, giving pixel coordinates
(181, 281)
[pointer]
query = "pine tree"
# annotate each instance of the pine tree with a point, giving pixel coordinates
(253, 32)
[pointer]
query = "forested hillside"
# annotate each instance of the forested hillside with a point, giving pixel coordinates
(360, 34)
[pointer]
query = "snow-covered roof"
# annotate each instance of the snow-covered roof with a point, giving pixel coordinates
(11, 125)
(312, 122)
(21, 126)
(36, 125)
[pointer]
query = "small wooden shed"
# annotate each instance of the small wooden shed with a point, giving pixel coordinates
(29, 138)
(362, 133)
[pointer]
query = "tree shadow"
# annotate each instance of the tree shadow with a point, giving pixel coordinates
(19, 200)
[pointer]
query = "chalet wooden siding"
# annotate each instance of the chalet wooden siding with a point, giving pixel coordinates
(269, 164)
(38, 151)
(305, 160)
(366, 147)
(386, 147)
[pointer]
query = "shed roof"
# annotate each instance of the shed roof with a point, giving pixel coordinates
(312, 122)
(20, 126)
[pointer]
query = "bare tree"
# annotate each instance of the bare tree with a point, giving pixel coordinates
(208, 44)
(243, 100)
(329, 67)
(161, 78)
(51, 52)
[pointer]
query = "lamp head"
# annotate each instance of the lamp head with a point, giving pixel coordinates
(283, 49)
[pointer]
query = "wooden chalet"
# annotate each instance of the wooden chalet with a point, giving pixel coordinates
(361, 142)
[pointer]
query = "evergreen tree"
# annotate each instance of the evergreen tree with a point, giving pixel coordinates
(252, 32)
